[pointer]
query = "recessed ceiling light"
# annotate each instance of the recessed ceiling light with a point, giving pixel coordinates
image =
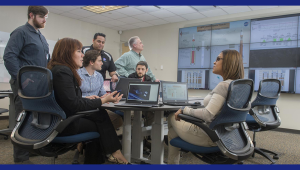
(102, 9)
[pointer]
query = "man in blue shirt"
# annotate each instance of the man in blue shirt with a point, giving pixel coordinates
(92, 82)
(26, 46)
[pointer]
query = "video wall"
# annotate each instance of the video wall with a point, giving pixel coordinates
(270, 48)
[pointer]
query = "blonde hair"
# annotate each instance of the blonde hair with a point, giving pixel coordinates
(232, 66)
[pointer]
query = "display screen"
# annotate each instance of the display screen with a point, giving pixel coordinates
(270, 48)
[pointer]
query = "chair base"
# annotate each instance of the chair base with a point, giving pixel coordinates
(215, 158)
(5, 136)
(263, 152)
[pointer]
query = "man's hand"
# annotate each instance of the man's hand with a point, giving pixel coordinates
(114, 78)
(176, 115)
(92, 97)
(111, 98)
(157, 80)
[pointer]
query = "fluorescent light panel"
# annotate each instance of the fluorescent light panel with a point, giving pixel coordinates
(102, 9)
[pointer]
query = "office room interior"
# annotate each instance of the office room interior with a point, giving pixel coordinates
(159, 34)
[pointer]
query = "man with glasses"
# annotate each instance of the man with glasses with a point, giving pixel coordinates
(26, 46)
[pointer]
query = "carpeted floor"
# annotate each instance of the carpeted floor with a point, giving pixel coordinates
(285, 144)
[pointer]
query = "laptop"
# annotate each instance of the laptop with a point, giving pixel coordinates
(176, 94)
(123, 86)
(141, 94)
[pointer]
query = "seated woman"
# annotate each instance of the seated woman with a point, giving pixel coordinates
(229, 65)
(66, 60)
(92, 82)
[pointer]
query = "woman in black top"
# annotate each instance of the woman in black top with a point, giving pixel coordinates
(66, 59)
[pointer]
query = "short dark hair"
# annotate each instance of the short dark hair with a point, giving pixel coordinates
(143, 63)
(90, 55)
(37, 10)
(99, 34)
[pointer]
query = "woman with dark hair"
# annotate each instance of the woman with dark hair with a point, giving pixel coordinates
(66, 60)
(229, 65)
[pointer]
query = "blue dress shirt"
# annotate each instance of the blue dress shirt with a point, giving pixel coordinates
(91, 84)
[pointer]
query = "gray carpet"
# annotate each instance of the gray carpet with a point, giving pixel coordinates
(285, 144)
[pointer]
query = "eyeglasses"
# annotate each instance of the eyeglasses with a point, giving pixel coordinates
(218, 59)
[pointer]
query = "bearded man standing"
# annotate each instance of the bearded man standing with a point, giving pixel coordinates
(26, 46)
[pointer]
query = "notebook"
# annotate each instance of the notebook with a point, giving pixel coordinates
(123, 86)
(176, 94)
(142, 94)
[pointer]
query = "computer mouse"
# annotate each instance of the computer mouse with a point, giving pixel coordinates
(197, 103)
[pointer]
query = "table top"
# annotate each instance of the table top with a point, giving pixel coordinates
(6, 92)
(162, 108)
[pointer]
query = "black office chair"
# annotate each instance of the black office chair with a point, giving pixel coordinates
(42, 119)
(264, 113)
(227, 130)
(3, 111)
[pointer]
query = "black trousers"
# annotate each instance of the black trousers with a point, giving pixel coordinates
(97, 122)
(19, 153)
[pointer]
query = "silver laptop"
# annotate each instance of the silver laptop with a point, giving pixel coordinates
(176, 94)
(142, 94)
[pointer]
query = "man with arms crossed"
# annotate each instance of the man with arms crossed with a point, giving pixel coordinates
(108, 62)
(26, 46)
(126, 64)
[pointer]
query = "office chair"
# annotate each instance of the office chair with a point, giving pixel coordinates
(227, 130)
(3, 111)
(42, 119)
(264, 113)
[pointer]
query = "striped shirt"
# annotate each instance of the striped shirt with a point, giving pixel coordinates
(91, 84)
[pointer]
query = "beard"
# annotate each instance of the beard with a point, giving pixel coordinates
(140, 76)
(38, 25)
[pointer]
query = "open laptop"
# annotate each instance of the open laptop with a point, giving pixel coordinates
(175, 94)
(141, 94)
(123, 86)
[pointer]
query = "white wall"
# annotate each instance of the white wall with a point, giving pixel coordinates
(161, 48)
(57, 27)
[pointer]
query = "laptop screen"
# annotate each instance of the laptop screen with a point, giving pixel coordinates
(143, 92)
(174, 92)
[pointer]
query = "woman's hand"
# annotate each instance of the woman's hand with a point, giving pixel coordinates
(92, 97)
(176, 115)
(110, 97)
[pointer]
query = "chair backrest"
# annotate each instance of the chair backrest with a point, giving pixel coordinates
(264, 109)
(234, 141)
(41, 112)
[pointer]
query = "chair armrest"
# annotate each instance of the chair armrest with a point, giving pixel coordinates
(62, 125)
(3, 96)
(200, 123)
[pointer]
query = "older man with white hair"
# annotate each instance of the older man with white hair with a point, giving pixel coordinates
(126, 64)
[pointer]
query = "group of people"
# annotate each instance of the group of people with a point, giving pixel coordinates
(78, 75)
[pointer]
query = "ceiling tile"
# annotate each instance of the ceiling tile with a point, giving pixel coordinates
(130, 11)
(145, 17)
(224, 6)
(213, 13)
(147, 8)
(82, 12)
(193, 16)
(129, 27)
(204, 8)
(89, 20)
(116, 23)
(182, 10)
(115, 28)
(236, 9)
(129, 20)
(74, 16)
(166, 7)
(100, 18)
(54, 10)
(65, 8)
(158, 22)
(162, 14)
(143, 24)
(104, 24)
(261, 7)
(175, 19)
(113, 15)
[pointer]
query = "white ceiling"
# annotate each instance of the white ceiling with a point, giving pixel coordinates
(133, 17)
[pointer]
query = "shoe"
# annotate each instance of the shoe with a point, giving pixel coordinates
(117, 161)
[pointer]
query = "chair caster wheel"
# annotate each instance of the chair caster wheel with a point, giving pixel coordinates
(75, 162)
(275, 157)
(5, 137)
(240, 163)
